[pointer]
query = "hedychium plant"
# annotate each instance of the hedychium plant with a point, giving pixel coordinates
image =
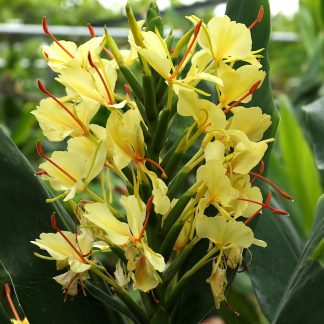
(173, 195)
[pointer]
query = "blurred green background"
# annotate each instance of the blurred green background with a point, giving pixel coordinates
(297, 75)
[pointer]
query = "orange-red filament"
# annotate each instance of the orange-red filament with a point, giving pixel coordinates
(258, 19)
(250, 92)
(45, 91)
(147, 218)
(93, 34)
(196, 32)
(267, 202)
(273, 209)
(12, 306)
(110, 99)
(141, 159)
(281, 192)
(42, 154)
(56, 228)
(47, 32)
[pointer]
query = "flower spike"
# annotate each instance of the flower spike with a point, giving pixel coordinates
(45, 91)
(110, 99)
(258, 19)
(251, 91)
(42, 154)
(47, 32)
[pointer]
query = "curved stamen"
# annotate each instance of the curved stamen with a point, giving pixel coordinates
(11, 304)
(260, 171)
(258, 19)
(273, 209)
(250, 92)
(45, 91)
(93, 34)
(280, 192)
(42, 154)
(147, 218)
(141, 159)
(196, 32)
(110, 99)
(55, 227)
(47, 32)
(267, 202)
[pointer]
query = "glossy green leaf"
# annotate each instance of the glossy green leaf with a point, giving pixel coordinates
(296, 155)
(303, 300)
(24, 215)
(314, 120)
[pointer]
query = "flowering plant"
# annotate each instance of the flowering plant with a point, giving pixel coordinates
(143, 202)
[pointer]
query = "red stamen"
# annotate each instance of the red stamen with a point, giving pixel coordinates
(40, 173)
(46, 31)
(127, 90)
(46, 55)
(258, 19)
(196, 32)
(45, 91)
(55, 227)
(251, 91)
(110, 99)
(274, 210)
(141, 159)
(66, 290)
(148, 213)
(260, 170)
(42, 154)
(12, 306)
(93, 34)
(267, 202)
(281, 192)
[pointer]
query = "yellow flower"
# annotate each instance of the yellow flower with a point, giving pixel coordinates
(251, 121)
(225, 233)
(57, 124)
(217, 281)
(70, 281)
(24, 321)
(205, 113)
(68, 250)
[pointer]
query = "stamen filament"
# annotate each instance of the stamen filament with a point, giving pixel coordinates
(45, 91)
(147, 218)
(273, 209)
(196, 32)
(251, 91)
(55, 227)
(47, 32)
(40, 173)
(141, 159)
(281, 192)
(93, 34)
(110, 99)
(258, 19)
(42, 154)
(12, 306)
(267, 202)
(260, 170)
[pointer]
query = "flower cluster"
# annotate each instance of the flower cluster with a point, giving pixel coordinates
(154, 218)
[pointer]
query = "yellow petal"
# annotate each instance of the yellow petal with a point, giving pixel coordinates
(156, 259)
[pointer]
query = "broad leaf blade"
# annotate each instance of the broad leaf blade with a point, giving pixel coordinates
(303, 299)
(24, 215)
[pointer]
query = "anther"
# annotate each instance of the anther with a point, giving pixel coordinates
(127, 90)
(11, 304)
(47, 32)
(280, 192)
(93, 34)
(250, 92)
(40, 173)
(141, 159)
(56, 228)
(110, 99)
(258, 19)
(196, 32)
(45, 91)
(43, 155)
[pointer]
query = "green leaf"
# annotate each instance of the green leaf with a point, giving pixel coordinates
(24, 215)
(303, 299)
(314, 120)
(272, 266)
(296, 155)
(318, 253)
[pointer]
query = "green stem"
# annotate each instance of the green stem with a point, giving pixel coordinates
(184, 279)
